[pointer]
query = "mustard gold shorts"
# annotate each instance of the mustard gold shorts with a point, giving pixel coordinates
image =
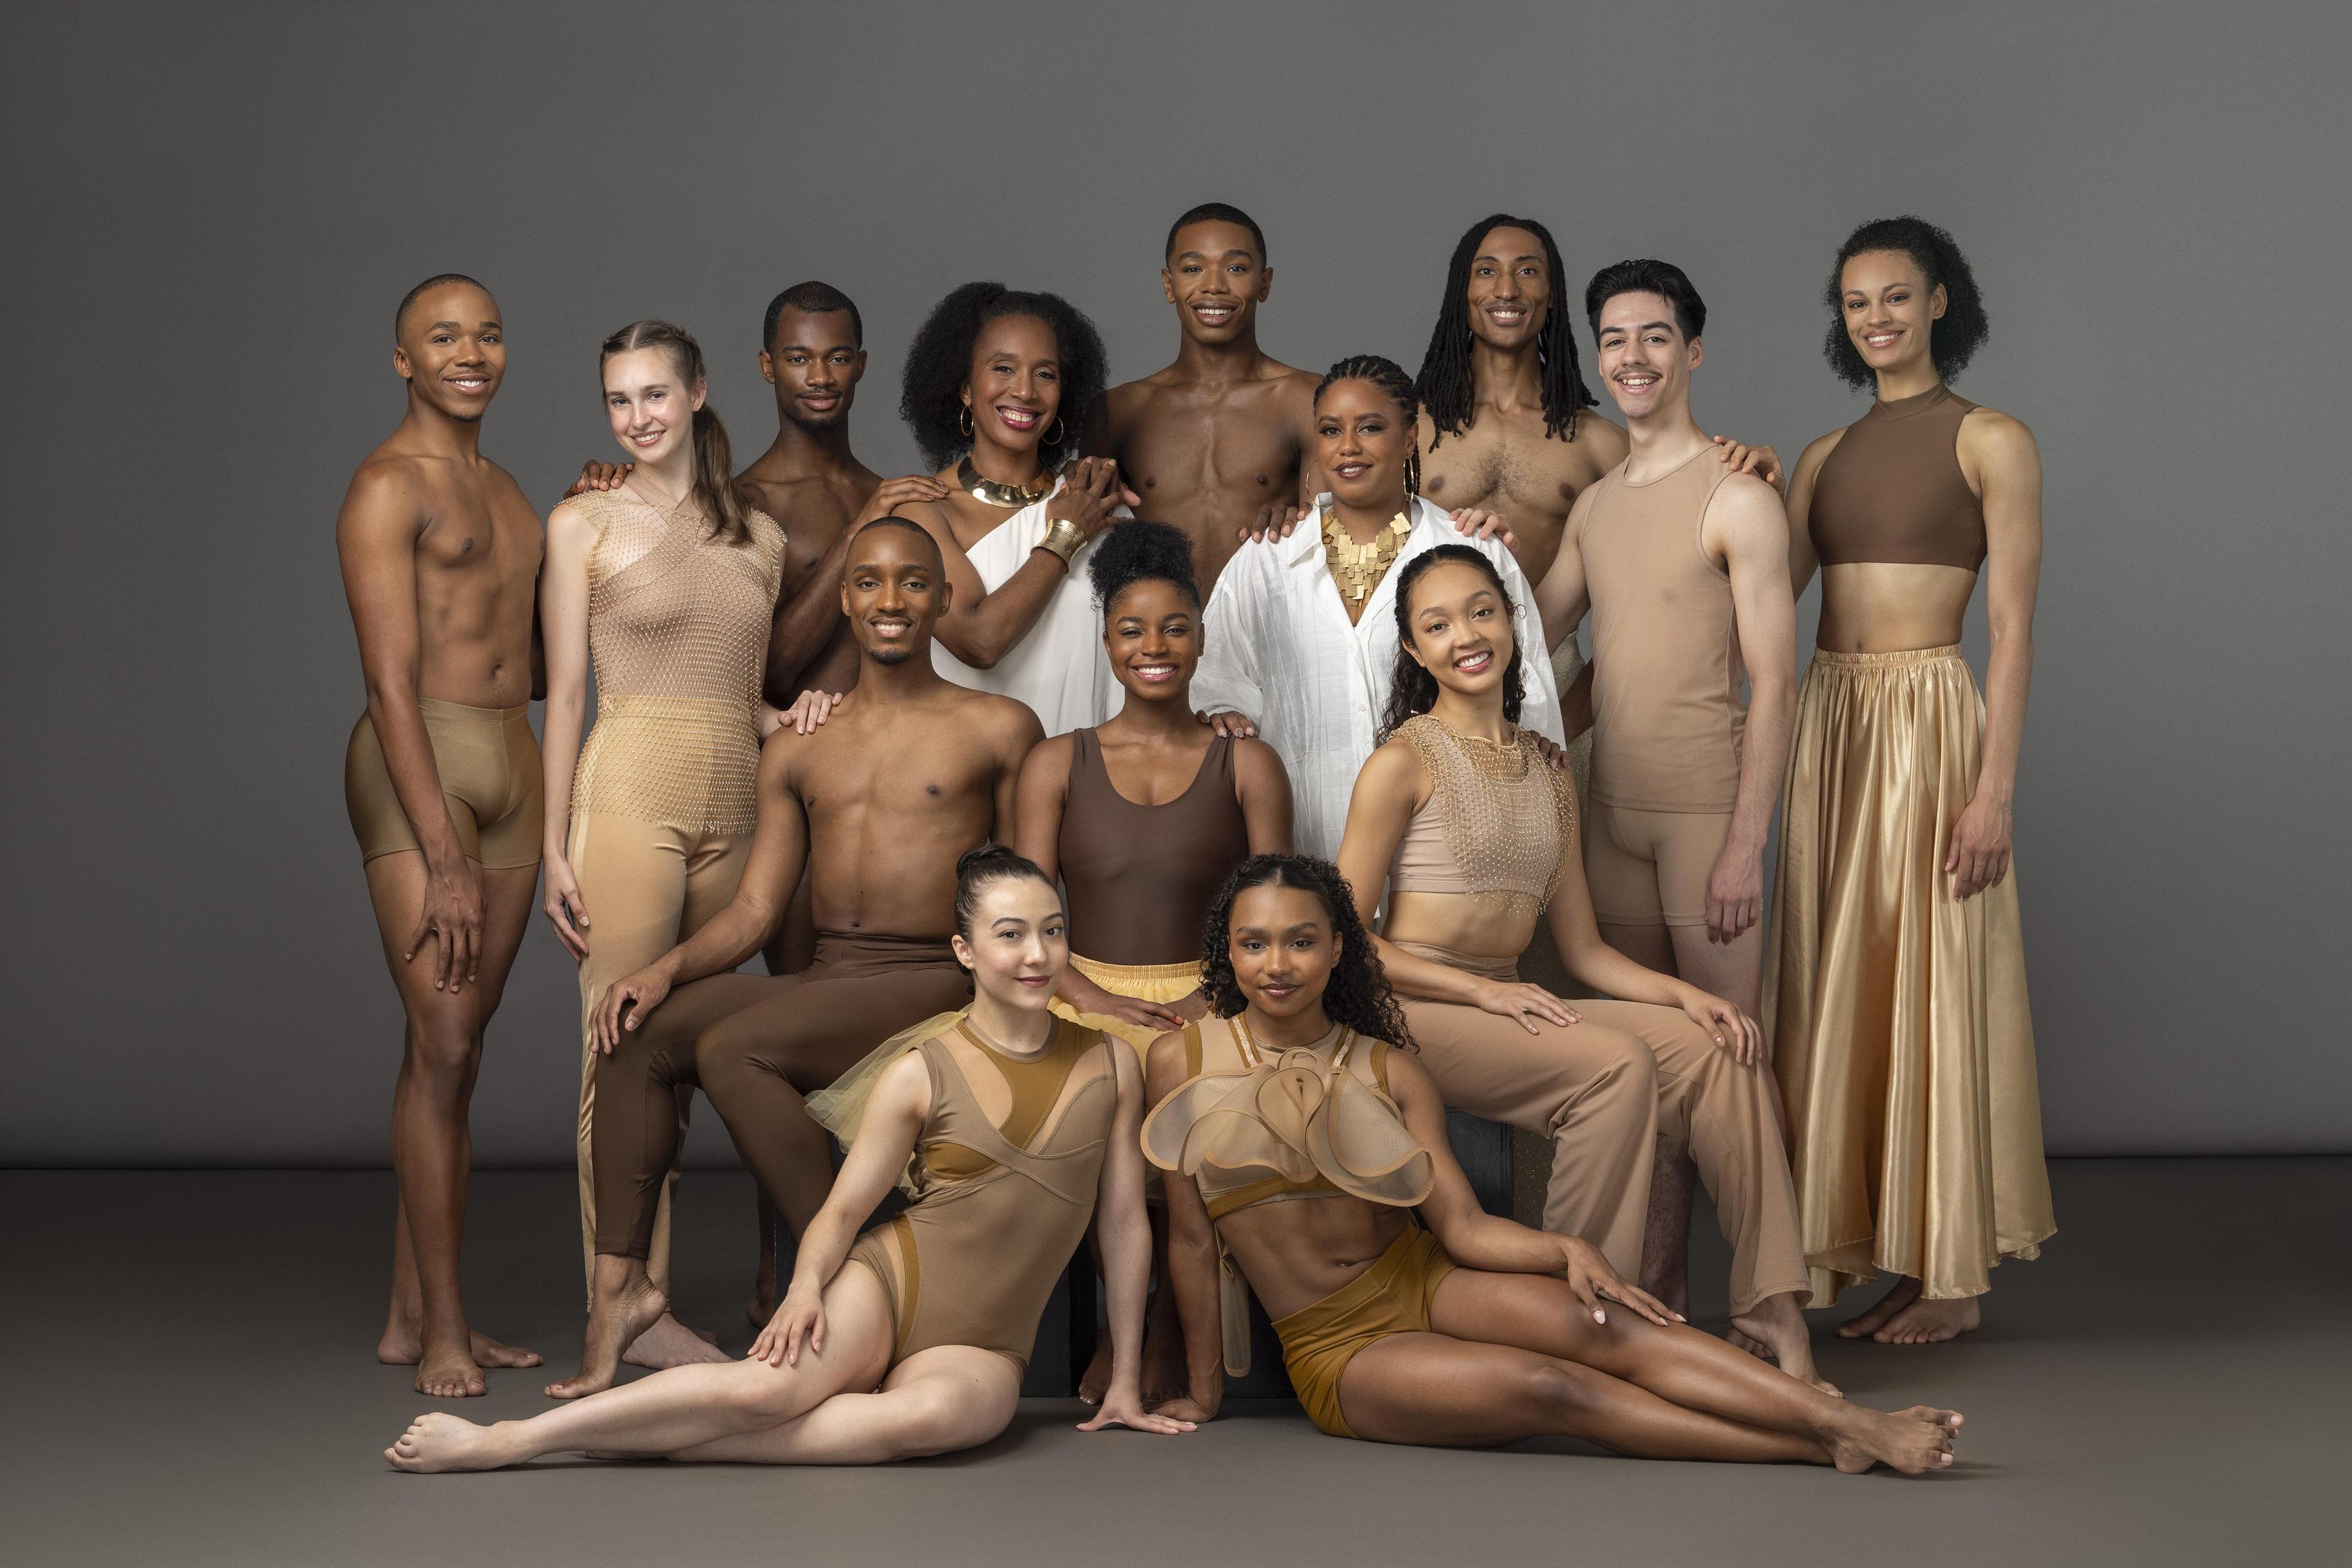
(489, 762)
(1650, 867)
(1392, 1297)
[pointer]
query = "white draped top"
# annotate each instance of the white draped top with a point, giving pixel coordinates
(1058, 669)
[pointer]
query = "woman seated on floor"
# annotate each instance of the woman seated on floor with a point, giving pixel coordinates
(1473, 1331)
(1012, 1125)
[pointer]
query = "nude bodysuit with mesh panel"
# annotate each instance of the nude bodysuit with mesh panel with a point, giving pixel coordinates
(677, 626)
(999, 1207)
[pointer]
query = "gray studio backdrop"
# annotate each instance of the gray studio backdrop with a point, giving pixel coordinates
(212, 212)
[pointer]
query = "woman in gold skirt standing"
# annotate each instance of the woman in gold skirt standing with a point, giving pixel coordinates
(1896, 985)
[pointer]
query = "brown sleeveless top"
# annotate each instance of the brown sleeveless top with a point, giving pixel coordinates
(1892, 488)
(1667, 710)
(1140, 878)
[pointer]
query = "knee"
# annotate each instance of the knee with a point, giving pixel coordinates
(1563, 1389)
(940, 1420)
(725, 1058)
(765, 1395)
(1623, 1072)
(443, 1056)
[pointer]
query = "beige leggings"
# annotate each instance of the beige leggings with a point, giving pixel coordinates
(1602, 1090)
(648, 888)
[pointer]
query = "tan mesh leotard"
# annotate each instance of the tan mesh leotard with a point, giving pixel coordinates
(998, 1209)
(1495, 820)
(677, 626)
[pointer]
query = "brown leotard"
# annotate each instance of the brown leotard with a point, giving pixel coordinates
(1892, 489)
(1666, 674)
(1140, 878)
(998, 1209)
(677, 626)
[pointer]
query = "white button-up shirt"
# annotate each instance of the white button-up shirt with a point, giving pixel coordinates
(1277, 647)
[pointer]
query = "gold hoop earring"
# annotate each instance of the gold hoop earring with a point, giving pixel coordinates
(1413, 475)
(963, 421)
(1054, 436)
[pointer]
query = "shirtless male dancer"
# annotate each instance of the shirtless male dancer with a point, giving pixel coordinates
(876, 804)
(1226, 430)
(440, 556)
(1684, 563)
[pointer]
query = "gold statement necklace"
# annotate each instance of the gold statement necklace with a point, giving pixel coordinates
(1358, 568)
(988, 492)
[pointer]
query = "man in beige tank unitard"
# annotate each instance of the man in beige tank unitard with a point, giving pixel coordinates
(1684, 563)
(1226, 430)
(440, 555)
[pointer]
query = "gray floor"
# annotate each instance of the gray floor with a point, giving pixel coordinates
(189, 1381)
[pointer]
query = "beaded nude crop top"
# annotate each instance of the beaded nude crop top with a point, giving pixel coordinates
(677, 626)
(1495, 822)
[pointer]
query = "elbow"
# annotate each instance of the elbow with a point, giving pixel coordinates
(980, 653)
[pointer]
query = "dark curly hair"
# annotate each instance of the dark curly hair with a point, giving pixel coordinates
(983, 864)
(1445, 381)
(1412, 690)
(940, 364)
(1391, 378)
(1140, 551)
(1956, 334)
(1647, 275)
(1357, 994)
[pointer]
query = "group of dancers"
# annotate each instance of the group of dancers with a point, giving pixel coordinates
(1144, 817)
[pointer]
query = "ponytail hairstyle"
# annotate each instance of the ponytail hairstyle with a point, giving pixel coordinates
(1357, 994)
(714, 459)
(1953, 338)
(1412, 690)
(977, 867)
(1391, 378)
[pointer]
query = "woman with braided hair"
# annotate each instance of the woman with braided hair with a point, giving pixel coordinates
(1473, 838)
(1299, 639)
(1304, 1147)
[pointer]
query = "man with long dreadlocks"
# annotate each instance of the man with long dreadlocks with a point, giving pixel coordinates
(1226, 430)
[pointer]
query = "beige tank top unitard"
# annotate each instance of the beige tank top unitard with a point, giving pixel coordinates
(1667, 704)
(1892, 489)
(677, 628)
(999, 1207)
(1496, 821)
(1254, 1126)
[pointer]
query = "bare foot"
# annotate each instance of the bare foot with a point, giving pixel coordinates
(1925, 1322)
(402, 1346)
(1914, 1441)
(1905, 1291)
(1165, 1376)
(620, 1315)
(668, 1343)
(435, 1442)
(1096, 1381)
(1774, 1328)
(449, 1372)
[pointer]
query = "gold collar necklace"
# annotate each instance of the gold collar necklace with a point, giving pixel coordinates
(988, 492)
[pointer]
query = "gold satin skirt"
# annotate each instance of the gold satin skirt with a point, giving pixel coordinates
(1899, 1024)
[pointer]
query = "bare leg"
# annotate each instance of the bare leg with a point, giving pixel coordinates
(624, 1306)
(432, 1144)
(1165, 1376)
(403, 1341)
(681, 1408)
(1905, 1291)
(1928, 1323)
(939, 1401)
(1686, 1368)
(762, 1305)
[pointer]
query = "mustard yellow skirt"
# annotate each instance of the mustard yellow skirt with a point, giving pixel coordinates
(1899, 1022)
(1157, 982)
(1392, 1297)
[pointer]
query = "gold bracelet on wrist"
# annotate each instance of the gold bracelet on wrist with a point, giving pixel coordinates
(1063, 539)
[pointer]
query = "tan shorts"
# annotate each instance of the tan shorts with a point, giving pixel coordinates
(488, 763)
(1650, 867)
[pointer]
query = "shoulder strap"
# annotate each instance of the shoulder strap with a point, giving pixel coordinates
(1192, 1050)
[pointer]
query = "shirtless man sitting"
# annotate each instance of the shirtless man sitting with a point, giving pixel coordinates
(877, 803)
(440, 556)
(1222, 432)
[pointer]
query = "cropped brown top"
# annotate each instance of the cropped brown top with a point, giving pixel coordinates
(1251, 1126)
(1494, 823)
(1892, 488)
(1141, 877)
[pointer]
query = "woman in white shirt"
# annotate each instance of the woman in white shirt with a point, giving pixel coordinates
(1299, 638)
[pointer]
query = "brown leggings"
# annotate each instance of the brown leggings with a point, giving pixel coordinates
(755, 1044)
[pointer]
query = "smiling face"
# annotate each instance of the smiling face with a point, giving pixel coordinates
(1152, 632)
(1216, 279)
(1642, 354)
(1890, 309)
(893, 591)
(1283, 949)
(1019, 944)
(1461, 628)
(651, 405)
(814, 363)
(1014, 388)
(1362, 439)
(451, 350)
(1509, 289)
